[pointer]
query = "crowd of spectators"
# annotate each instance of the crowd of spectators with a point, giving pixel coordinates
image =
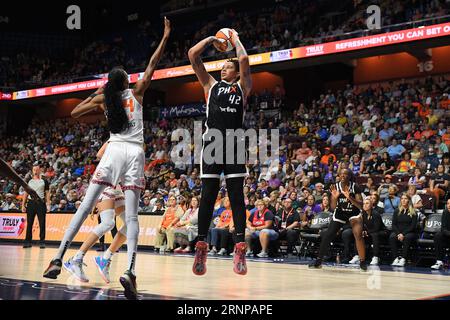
(393, 137)
(280, 25)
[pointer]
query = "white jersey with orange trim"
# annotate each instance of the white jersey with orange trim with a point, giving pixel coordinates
(124, 156)
(135, 132)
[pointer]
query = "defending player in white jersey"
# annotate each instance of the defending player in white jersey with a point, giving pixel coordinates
(110, 203)
(123, 159)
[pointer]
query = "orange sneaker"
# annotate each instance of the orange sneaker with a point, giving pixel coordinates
(201, 252)
(240, 265)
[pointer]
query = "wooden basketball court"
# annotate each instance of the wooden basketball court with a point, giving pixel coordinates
(170, 277)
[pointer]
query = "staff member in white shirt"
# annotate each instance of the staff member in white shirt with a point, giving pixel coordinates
(33, 207)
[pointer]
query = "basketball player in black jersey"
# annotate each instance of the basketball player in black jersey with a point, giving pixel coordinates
(225, 110)
(346, 200)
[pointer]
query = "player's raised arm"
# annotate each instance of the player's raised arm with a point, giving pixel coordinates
(244, 64)
(9, 172)
(91, 103)
(205, 79)
(143, 84)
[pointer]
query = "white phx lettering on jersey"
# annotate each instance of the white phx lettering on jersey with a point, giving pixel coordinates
(228, 109)
(226, 90)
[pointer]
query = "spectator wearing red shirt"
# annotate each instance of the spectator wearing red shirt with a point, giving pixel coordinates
(260, 225)
(89, 168)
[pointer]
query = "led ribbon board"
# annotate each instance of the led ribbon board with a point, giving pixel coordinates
(384, 39)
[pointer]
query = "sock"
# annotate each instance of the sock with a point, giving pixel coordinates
(132, 222)
(107, 255)
(79, 255)
(240, 237)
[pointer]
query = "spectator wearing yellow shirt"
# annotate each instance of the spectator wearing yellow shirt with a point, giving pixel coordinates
(406, 165)
(432, 118)
(364, 142)
(342, 119)
(303, 130)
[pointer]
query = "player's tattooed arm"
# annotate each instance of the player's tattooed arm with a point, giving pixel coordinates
(244, 64)
(205, 79)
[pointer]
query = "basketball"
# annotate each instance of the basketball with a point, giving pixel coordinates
(224, 35)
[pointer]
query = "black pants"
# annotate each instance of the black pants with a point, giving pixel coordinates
(220, 238)
(291, 236)
(328, 236)
(35, 208)
(375, 238)
(407, 241)
(440, 241)
(113, 230)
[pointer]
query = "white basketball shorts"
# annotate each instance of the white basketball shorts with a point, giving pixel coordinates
(124, 162)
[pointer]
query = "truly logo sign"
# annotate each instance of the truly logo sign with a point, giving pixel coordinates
(12, 226)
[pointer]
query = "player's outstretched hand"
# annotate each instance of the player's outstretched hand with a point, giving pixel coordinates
(234, 37)
(334, 192)
(166, 27)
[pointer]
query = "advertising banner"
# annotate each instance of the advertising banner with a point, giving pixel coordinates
(188, 110)
(13, 226)
(384, 39)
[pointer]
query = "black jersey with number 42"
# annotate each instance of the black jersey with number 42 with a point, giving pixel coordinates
(225, 106)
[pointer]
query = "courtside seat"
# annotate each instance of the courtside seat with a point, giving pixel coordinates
(432, 225)
(425, 243)
(384, 246)
(312, 235)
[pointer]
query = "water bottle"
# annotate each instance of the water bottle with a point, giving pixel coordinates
(338, 258)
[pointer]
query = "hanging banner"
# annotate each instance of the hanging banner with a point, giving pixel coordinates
(188, 110)
(384, 39)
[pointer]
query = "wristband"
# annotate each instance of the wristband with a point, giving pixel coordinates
(93, 95)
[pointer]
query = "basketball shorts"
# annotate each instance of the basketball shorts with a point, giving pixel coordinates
(344, 217)
(113, 194)
(214, 160)
(124, 162)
